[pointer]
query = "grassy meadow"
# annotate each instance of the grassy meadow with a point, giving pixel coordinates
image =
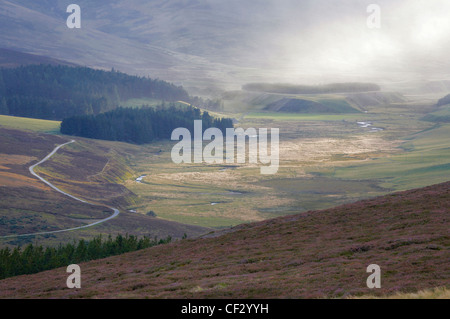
(35, 125)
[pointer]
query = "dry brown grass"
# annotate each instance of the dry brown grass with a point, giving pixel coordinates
(310, 150)
(435, 293)
(15, 159)
(8, 179)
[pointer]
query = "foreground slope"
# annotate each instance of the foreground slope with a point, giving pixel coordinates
(310, 255)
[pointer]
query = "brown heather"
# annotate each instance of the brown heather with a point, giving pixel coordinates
(317, 254)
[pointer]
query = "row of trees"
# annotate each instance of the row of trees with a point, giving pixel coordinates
(140, 125)
(57, 92)
(33, 259)
(351, 87)
(209, 104)
(444, 101)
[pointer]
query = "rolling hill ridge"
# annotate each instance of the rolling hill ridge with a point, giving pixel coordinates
(310, 255)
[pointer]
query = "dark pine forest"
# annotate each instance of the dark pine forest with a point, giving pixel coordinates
(140, 125)
(88, 102)
(58, 92)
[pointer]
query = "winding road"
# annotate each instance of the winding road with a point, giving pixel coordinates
(31, 168)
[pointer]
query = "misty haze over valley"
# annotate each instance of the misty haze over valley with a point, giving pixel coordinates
(234, 42)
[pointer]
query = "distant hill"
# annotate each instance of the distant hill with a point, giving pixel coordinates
(298, 105)
(187, 41)
(374, 98)
(311, 89)
(444, 101)
(12, 58)
(58, 92)
(442, 115)
(176, 41)
(333, 98)
(433, 87)
(327, 103)
(317, 254)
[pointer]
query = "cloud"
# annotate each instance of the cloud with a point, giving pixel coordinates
(241, 41)
(331, 39)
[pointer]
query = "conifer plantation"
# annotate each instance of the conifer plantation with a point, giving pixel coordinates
(141, 125)
(33, 259)
(56, 92)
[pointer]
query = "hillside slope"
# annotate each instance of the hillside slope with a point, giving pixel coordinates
(298, 105)
(194, 42)
(309, 255)
(12, 58)
(58, 92)
(126, 37)
(86, 169)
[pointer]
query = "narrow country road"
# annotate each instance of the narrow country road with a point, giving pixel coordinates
(115, 211)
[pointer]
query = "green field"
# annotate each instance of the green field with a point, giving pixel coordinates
(303, 117)
(424, 161)
(35, 125)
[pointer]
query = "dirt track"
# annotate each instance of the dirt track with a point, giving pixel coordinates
(31, 168)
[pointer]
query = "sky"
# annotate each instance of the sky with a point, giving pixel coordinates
(332, 39)
(240, 41)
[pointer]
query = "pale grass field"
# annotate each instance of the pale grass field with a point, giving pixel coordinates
(435, 293)
(28, 124)
(182, 191)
